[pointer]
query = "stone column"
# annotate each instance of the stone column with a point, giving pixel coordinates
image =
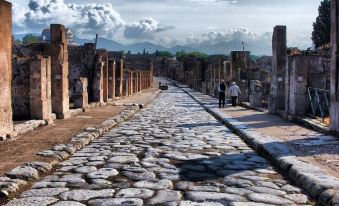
(151, 72)
(256, 93)
(105, 76)
(131, 79)
(6, 123)
(279, 48)
(81, 93)
(244, 87)
(121, 77)
(40, 89)
(98, 82)
(59, 56)
(334, 113)
(111, 79)
(296, 99)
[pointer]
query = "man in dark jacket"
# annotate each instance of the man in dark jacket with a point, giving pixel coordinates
(222, 93)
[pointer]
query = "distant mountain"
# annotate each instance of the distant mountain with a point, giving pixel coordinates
(256, 48)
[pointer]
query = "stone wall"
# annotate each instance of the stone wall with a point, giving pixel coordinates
(81, 64)
(20, 88)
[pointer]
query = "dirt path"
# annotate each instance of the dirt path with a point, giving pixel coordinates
(25, 147)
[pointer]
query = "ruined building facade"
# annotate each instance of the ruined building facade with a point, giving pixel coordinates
(44, 81)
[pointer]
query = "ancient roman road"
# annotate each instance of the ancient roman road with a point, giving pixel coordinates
(171, 153)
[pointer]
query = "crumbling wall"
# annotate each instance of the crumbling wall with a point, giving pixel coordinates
(20, 88)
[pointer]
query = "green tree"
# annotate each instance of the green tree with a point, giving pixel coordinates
(165, 54)
(182, 54)
(321, 34)
(17, 42)
(30, 39)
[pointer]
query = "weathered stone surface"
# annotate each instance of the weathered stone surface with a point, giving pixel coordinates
(46, 192)
(116, 202)
(206, 196)
(155, 184)
(269, 199)
(190, 203)
(82, 195)
(68, 203)
(29, 201)
(165, 196)
(25, 173)
(85, 169)
(124, 159)
(134, 193)
(102, 173)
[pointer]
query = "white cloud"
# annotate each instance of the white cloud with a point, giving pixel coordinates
(144, 28)
(242, 34)
(84, 20)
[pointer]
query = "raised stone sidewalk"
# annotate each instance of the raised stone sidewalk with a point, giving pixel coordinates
(316, 181)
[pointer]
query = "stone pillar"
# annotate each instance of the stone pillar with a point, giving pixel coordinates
(121, 78)
(81, 93)
(151, 72)
(334, 113)
(6, 123)
(256, 93)
(130, 78)
(296, 97)
(59, 56)
(138, 82)
(105, 76)
(98, 82)
(244, 87)
(40, 89)
(111, 79)
(277, 92)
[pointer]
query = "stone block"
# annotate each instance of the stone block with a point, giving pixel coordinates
(40, 89)
(256, 93)
(279, 48)
(6, 124)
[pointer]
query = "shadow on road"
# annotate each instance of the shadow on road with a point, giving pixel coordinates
(199, 170)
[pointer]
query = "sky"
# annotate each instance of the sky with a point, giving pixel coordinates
(171, 22)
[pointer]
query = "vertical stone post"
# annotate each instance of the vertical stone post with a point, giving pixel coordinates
(111, 79)
(81, 93)
(334, 113)
(131, 79)
(138, 82)
(279, 48)
(59, 56)
(40, 89)
(297, 85)
(98, 82)
(256, 93)
(151, 68)
(105, 76)
(6, 123)
(121, 77)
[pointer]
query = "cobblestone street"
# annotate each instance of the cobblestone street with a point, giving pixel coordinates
(172, 152)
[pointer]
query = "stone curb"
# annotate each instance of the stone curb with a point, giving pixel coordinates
(18, 177)
(315, 181)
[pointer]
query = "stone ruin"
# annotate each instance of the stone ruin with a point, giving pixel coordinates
(44, 81)
(280, 83)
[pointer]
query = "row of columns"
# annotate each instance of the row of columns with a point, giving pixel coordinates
(138, 81)
(48, 77)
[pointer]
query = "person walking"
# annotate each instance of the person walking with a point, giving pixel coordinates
(222, 93)
(234, 93)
